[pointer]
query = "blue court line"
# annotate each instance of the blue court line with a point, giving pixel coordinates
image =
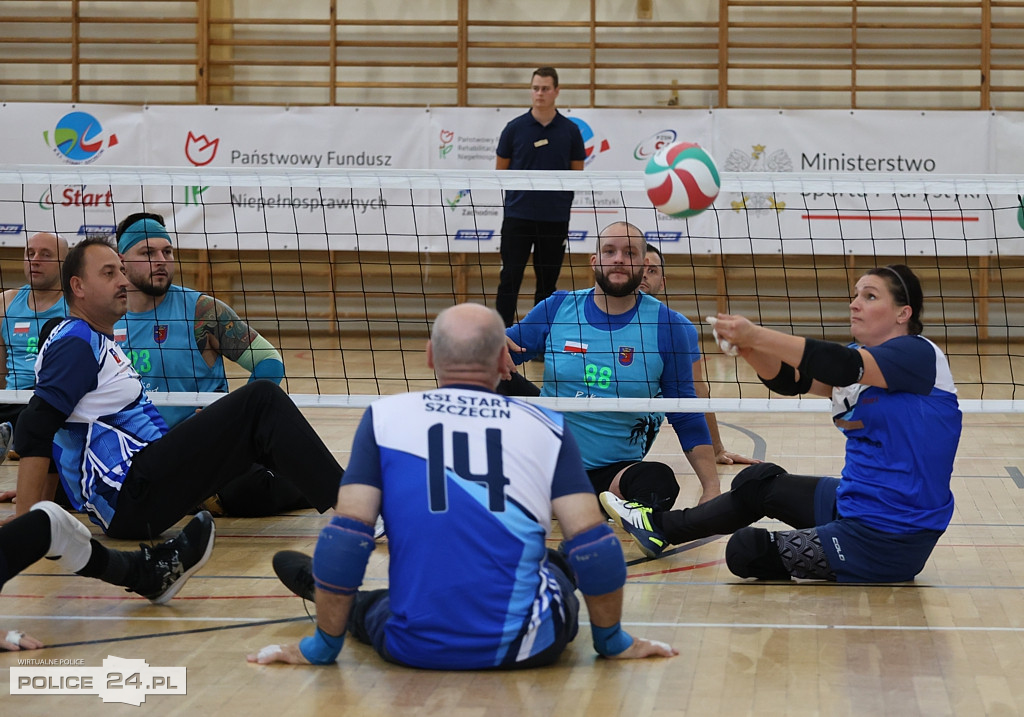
(1016, 475)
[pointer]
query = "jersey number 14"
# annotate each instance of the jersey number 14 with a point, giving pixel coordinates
(493, 480)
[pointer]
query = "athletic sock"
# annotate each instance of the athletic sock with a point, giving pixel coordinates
(116, 567)
(25, 540)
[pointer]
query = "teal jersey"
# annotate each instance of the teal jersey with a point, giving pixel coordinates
(20, 330)
(161, 345)
(648, 352)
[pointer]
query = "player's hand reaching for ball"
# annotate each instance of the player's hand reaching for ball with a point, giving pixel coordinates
(288, 654)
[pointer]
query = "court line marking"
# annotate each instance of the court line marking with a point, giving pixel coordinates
(760, 444)
(175, 633)
(1016, 475)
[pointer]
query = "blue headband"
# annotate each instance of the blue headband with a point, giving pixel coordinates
(140, 231)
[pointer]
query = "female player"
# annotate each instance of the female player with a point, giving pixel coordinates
(894, 399)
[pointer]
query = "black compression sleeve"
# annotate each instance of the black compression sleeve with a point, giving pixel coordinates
(37, 425)
(832, 364)
(785, 382)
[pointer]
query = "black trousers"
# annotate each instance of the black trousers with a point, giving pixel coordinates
(518, 237)
(255, 424)
(258, 493)
(758, 491)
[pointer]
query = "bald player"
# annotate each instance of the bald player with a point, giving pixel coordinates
(24, 311)
(472, 585)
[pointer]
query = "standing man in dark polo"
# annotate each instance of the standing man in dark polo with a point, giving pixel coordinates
(539, 139)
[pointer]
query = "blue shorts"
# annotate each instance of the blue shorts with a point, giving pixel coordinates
(858, 553)
(372, 611)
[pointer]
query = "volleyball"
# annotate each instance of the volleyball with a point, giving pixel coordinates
(682, 180)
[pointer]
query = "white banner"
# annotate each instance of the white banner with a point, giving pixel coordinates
(385, 139)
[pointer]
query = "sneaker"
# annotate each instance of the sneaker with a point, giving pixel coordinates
(6, 439)
(295, 571)
(379, 531)
(167, 566)
(635, 519)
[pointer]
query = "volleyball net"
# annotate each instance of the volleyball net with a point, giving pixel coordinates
(344, 271)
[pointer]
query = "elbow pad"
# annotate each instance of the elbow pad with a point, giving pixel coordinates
(596, 559)
(37, 425)
(786, 383)
(342, 551)
(832, 364)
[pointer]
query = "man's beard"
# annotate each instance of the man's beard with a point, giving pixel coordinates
(148, 288)
(619, 290)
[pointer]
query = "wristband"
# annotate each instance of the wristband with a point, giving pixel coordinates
(321, 648)
(610, 641)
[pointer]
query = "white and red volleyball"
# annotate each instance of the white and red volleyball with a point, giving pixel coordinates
(682, 180)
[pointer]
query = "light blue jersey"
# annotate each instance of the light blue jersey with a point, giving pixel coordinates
(87, 377)
(648, 352)
(162, 347)
(20, 331)
(467, 479)
(900, 440)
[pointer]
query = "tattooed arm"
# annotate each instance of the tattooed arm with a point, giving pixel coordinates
(218, 329)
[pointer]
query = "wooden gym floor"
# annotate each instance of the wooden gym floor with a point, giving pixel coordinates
(950, 643)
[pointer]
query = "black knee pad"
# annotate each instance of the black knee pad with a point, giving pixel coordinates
(756, 472)
(753, 553)
(652, 484)
(748, 484)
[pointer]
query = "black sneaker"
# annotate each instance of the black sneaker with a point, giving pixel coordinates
(295, 571)
(167, 566)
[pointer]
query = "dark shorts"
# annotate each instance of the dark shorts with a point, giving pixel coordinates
(858, 553)
(601, 478)
(372, 610)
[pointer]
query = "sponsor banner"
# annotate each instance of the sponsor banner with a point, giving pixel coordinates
(836, 141)
(279, 141)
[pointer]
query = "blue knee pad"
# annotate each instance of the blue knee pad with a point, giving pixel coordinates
(342, 551)
(596, 557)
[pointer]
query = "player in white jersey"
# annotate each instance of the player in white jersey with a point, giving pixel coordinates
(895, 401)
(115, 456)
(471, 583)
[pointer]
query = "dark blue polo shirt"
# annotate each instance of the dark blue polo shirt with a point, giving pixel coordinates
(531, 145)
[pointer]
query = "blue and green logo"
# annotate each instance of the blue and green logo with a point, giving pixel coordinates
(78, 138)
